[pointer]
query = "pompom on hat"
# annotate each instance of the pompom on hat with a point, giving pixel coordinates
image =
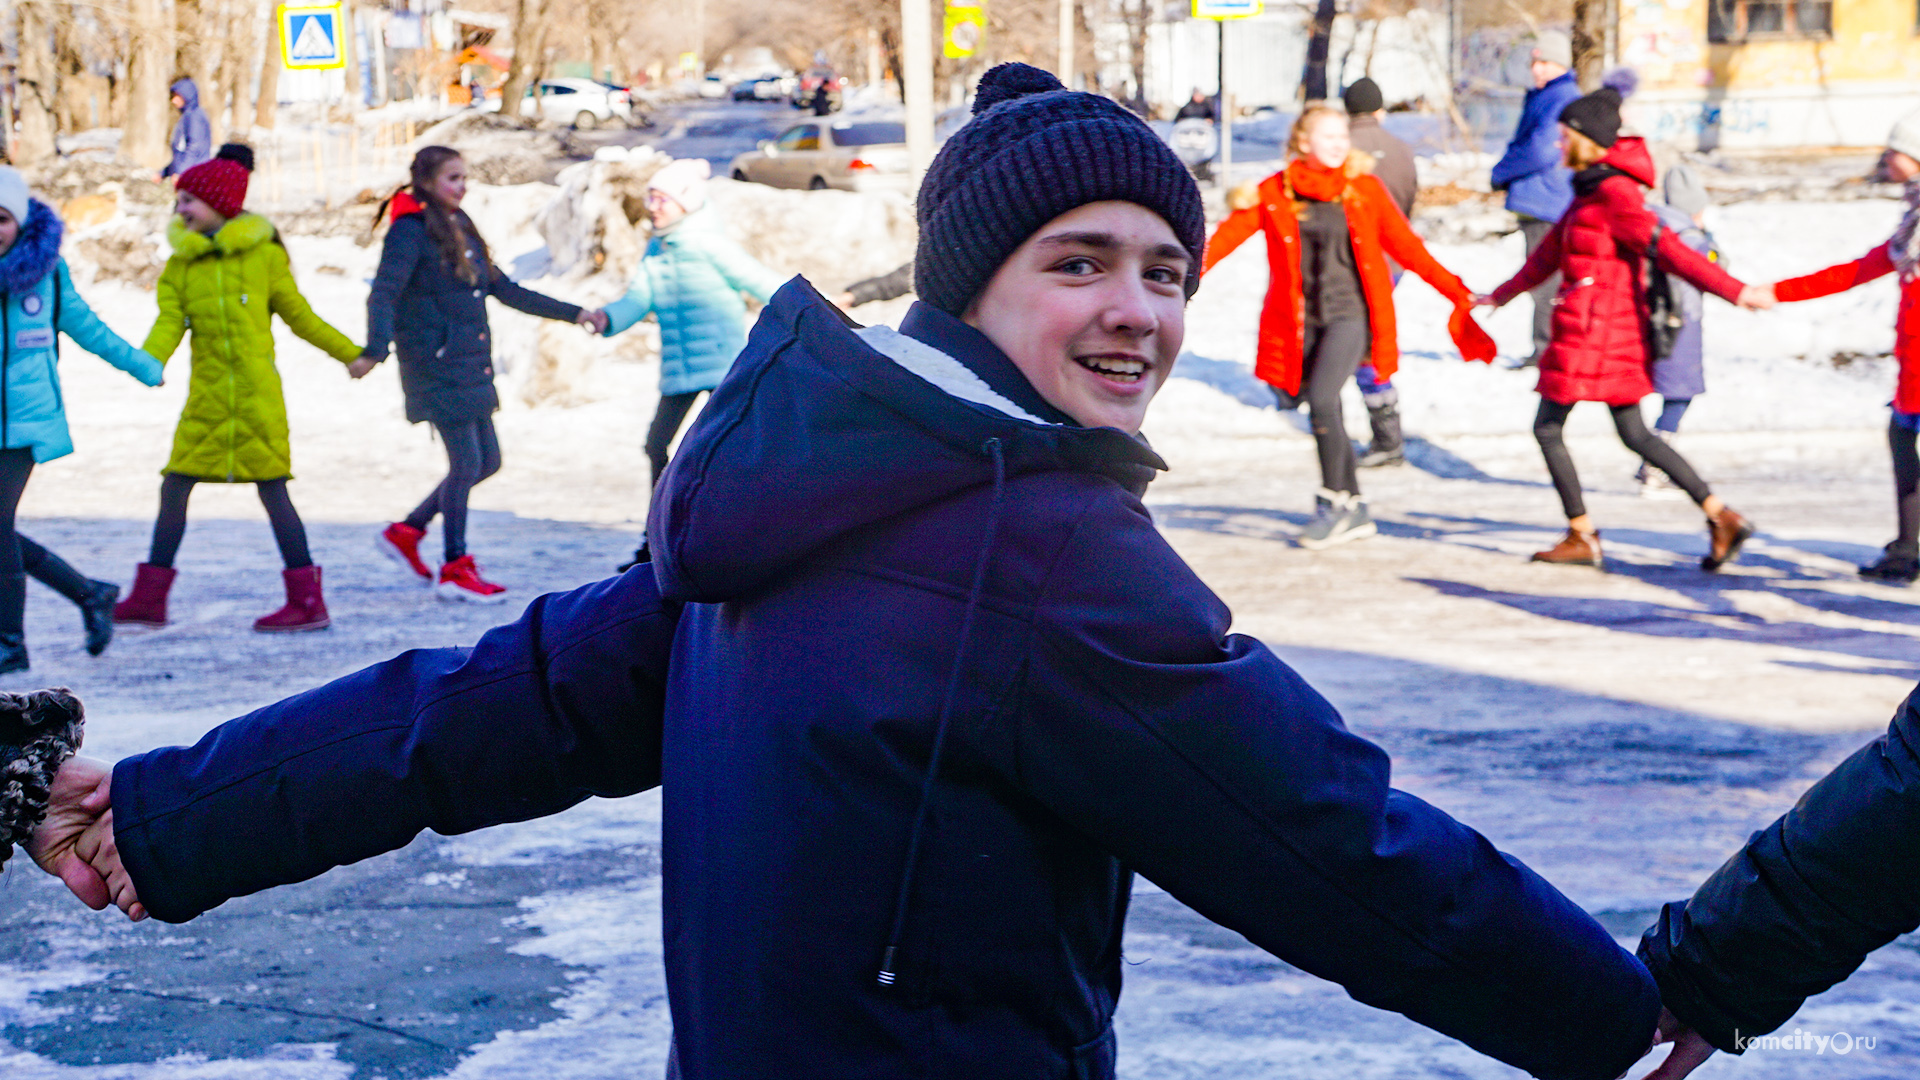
(222, 182)
(1905, 136)
(1033, 151)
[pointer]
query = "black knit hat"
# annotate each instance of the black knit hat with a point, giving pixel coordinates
(1597, 116)
(1033, 151)
(1363, 97)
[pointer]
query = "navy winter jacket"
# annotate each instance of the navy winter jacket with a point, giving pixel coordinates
(935, 689)
(1533, 171)
(437, 323)
(192, 141)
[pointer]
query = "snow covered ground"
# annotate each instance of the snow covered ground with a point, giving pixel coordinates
(1621, 732)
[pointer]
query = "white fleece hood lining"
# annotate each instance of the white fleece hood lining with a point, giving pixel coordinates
(941, 370)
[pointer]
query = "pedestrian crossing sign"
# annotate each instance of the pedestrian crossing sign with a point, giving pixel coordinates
(311, 37)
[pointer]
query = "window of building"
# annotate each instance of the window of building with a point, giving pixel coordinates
(1745, 20)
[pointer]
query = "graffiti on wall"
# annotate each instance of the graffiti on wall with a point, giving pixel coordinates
(1709, 122)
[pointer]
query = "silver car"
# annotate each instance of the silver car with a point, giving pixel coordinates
(832, 152)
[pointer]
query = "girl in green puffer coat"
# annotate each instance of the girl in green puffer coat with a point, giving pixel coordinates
(38, 303)
(229, 275)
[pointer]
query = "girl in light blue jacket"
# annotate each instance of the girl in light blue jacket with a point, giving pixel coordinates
(690, 280)
(38, 303)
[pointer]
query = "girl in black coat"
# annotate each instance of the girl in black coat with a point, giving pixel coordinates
(429, 300)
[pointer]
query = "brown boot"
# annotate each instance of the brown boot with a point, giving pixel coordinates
(1574, 549)
(1726, 531)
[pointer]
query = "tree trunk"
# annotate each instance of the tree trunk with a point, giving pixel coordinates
(149, 51)
(529, 42)
(269, 99)
(239, 77)
(1138, 14)
(35, 85)
(1313, 81)
(350, 50)
(1589, 42)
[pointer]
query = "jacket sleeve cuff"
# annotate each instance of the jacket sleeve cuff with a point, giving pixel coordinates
(1679, 993)
(133, 837)
(623, 313)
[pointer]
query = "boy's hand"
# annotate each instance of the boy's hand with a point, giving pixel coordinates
(595, 320)
(360, 366)
(1757, 297)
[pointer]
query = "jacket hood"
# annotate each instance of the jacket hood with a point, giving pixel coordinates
(34, 251)
(403, 204)
(188, 92)
(243, 233)
(822, 428)
(1629, 154)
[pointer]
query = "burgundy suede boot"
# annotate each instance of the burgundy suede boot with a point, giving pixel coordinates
(147, 604)
(305, 609)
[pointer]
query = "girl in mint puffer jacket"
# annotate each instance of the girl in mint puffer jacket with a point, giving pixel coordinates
(38, 303)
(690, 280)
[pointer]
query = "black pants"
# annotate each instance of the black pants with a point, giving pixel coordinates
(1549, 424)
(1906, 488)
(473, 454)
(1535, 230)
(667, 419)
(171, 526)
(19, 555)
(1330, 355)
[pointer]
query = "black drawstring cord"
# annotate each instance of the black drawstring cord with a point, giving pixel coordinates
(888, 973)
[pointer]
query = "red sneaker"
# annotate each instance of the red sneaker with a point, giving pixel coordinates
(401, 543)
(461, 580)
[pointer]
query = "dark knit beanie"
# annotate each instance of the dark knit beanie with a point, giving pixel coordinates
(221, 182)
(38, 733)
(1033, 151)
(1597, 116)
(1363, 97)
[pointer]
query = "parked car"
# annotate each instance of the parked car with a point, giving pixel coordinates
(764, 88)
(713, 86)
(584, 103)
(832, 152)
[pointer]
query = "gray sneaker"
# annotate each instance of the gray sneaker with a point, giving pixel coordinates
(1337, 518)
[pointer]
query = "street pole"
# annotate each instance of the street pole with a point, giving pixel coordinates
(916, 46)
(1066, 43)
(1226, 112)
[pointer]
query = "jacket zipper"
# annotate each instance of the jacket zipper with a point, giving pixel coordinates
(6, 370)
(233, 405)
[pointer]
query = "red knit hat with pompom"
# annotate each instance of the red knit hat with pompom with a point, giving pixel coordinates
(220, 183)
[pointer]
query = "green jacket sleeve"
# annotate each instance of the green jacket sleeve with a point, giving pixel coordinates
(743, 271)
(171, 324)
(78, 322)
(634, 306)
(294, 310)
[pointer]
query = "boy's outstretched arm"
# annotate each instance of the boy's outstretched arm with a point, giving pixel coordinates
(562, 704)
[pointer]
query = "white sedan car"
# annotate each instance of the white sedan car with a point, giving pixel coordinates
(581, 102)
(832, 152)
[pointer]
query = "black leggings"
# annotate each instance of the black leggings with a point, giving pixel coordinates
(1551, 420)
(20, 555)
(473, 454)
(1906, 487)
(171, 525)
(667, 418)
(1330, 355)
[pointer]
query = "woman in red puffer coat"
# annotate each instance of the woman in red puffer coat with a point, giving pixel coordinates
(1330, 228)
(1601, 348)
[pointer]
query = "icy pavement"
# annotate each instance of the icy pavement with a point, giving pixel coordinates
(1620, 732)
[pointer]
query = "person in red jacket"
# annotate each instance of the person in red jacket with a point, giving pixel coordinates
(1600, 348)
(1899, 561)
(1330, 227)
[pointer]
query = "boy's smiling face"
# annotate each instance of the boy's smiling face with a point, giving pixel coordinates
(1092, 310)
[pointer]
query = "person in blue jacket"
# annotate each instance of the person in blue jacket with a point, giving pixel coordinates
(38, 303)
(1533, 171)
(690, 281)
(192, 140)
(923, 687)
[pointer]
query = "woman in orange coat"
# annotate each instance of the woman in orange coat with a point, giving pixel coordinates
(1330, 228)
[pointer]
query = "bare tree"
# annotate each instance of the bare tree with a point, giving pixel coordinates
(234, 76)
(149, 52)
(268, 103)
(529, 52)
(1589, 41)
(34, 84)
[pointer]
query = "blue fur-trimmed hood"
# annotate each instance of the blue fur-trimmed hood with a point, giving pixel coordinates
(34, 252)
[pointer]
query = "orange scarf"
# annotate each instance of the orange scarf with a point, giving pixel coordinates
(1308, 179)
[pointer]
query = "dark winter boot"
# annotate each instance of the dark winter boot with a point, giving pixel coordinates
(13, 610)
(1387, 448)
(1893, 567)
(1726, 531)
(96, 614)
(93, 598)
(38, 733)
(148, 604)
(304, 610)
